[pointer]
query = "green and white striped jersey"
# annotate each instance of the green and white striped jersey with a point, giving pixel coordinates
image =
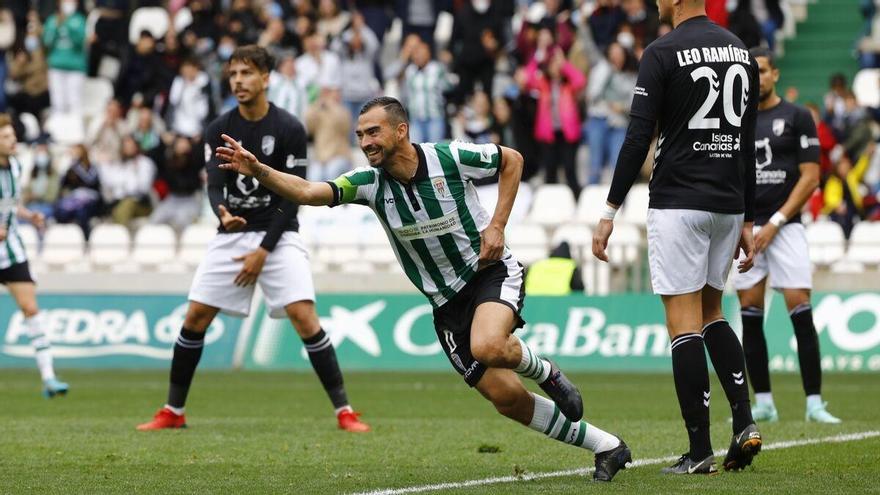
(434, 222)
(11, 249)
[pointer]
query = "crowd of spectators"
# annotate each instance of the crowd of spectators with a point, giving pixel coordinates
(553, 79)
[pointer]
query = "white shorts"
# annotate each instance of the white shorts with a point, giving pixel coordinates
(688, 249)
(286, 277)
(786, 261)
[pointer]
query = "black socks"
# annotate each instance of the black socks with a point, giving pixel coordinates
(323, 358)
(187, 352)
(808, 348)
(691, 376)
(727, 358)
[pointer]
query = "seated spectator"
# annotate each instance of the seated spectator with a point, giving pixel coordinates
(558, 275)
(286, 90)
(126, 183)
(148, 130)
(29, 73)
(80, 198)
(41, 191)
(143, 72)
(329, 124)
(181, 176)
(609, 96)
(105, 133)
(844, 191)
(557, 123)
(189, 100)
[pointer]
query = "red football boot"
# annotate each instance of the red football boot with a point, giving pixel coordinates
(348, 421)
(166, 418)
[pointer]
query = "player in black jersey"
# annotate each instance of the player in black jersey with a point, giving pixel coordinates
(787, 153)
(698, 86)
(257, 242)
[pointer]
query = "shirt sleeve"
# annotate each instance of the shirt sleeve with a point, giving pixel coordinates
(475, 161)
(650, 86)
(357, 186)
(216, 175)
(808, 149)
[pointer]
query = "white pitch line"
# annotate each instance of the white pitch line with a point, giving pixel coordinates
(848, 437)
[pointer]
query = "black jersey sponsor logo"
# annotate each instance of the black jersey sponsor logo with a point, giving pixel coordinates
(246, 184)
(268, 145)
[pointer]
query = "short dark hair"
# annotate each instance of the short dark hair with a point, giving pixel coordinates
(255, 55)
(760, 51)
(392, 106)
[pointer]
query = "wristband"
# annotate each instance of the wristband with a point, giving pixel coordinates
(778, 219)
(609, 212)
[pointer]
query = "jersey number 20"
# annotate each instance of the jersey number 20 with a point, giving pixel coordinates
(731, 114)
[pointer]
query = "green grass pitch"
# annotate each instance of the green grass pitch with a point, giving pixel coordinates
(255, 432)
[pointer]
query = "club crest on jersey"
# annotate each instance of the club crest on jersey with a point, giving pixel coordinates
(778, 126)
(268, 145)
(440, 187)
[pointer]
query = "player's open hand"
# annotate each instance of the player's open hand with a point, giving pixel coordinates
(231, 223)
(765, 236)
(237, 159)
(747, 246)
(491, 244)
(253, 265)
(600, 238)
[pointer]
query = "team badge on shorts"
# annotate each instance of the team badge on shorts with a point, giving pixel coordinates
(440, 187)
(778, 126)
(268, 145)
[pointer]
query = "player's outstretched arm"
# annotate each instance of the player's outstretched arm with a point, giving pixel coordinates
(235, 158)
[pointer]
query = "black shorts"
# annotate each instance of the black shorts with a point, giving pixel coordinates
(18, 272)
(500, 282)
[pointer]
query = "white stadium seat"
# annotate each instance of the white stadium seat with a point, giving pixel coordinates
(109, 244)
(376, 247)
(63, 244)
(66, 129)
(97, 93)
(591, 204)
(194, 243)
(635, 207)
(864, 243)
(154, 245)
(554, 204)
(337, 246)
(527, 242)
(576, 235)
(624, 244)
(826, 242)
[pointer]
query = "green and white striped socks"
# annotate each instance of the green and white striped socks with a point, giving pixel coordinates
(548, 420)
(531, 366)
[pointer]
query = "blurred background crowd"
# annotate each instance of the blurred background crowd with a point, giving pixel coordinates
(110, 97)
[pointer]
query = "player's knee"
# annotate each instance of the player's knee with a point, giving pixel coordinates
(197, 320)
(490, 352)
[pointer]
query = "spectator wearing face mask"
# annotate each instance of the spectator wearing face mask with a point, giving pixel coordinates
(42, 189)
(64, 36)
